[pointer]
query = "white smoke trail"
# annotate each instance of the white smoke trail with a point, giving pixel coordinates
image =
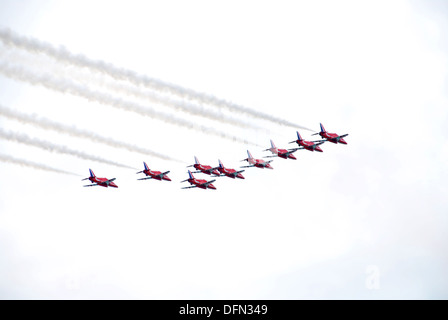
(25, 139)
(65, 56)
(72, 130)
(67, 86)
(21, 162)
(82, 75)
(182, 105)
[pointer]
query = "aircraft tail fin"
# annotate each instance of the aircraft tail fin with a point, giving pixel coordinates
(322, 129)
(146, 166)
(299, 137)
(190, 174)
(273, 149)
(92, 175)
(220, 164)
(196, 160)
(249, 154)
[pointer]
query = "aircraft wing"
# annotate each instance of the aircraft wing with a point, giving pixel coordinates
(163, 173)
(109, 181)
(91, 185)
(211, 170)
(343, 136)
(295, 149)
(145, 178)
(205, 184)
(189, 187)
(234, 174)
(265, 164)
(247, 166)
(319, 143)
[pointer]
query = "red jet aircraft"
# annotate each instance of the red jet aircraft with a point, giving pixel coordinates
(259, 163)
(154, 174)
(204, 169)
(332, 137)
(282, 153)
(308, 145)
(199, 183)
(103, 182)
(231, 173)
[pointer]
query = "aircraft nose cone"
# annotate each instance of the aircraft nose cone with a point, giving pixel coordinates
(212, 186)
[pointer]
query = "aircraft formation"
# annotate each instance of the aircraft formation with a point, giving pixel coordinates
(222, 171)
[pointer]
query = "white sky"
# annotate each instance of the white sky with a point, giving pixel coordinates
(365, 220)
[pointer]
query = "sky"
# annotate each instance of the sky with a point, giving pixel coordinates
(108, 85)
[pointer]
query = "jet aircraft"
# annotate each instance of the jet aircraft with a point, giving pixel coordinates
(282, 153)
(103, 182)
(332, 137)
(199, 183)
(150, 174)
(231, 173)
(259, 163)
(204, 168)
(308, 145)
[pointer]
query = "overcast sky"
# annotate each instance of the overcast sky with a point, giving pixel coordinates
(107, 85)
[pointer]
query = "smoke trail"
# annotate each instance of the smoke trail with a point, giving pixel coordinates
(119, 87)
(63, 55)
(67, 86)
(21, 162)
(71, 130)
(23, 138)
(188, 107)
